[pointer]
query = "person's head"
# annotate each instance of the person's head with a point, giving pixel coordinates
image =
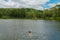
(29, 31)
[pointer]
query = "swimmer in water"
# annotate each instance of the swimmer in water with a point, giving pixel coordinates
(30, 34)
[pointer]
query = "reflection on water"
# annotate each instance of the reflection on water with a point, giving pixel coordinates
(18, 29)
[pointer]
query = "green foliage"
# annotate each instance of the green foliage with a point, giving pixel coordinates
(5, 17)
(29, 13)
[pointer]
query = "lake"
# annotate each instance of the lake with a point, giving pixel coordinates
(16, 29)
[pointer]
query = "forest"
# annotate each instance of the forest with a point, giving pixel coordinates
(30, 13)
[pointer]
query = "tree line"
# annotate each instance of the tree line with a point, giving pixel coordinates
(29, 13)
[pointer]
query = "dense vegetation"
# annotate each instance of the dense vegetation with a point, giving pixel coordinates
(19, 13)
(29, 13)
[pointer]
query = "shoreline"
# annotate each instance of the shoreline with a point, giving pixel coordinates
(29, 19)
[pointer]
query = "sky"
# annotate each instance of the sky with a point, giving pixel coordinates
(36, 4)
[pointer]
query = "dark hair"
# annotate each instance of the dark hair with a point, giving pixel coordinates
(29, 31)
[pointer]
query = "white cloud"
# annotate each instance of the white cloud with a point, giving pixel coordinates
(35, 2)
(53, 4)
(24, 3)
(58, 3)
(9, 3)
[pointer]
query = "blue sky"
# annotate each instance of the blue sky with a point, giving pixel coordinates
(37, 4)
(51, 2)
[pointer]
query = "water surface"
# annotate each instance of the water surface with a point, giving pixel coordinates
(11, 29)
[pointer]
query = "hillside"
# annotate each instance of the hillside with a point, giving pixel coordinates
(19, 13)
(29, 13)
